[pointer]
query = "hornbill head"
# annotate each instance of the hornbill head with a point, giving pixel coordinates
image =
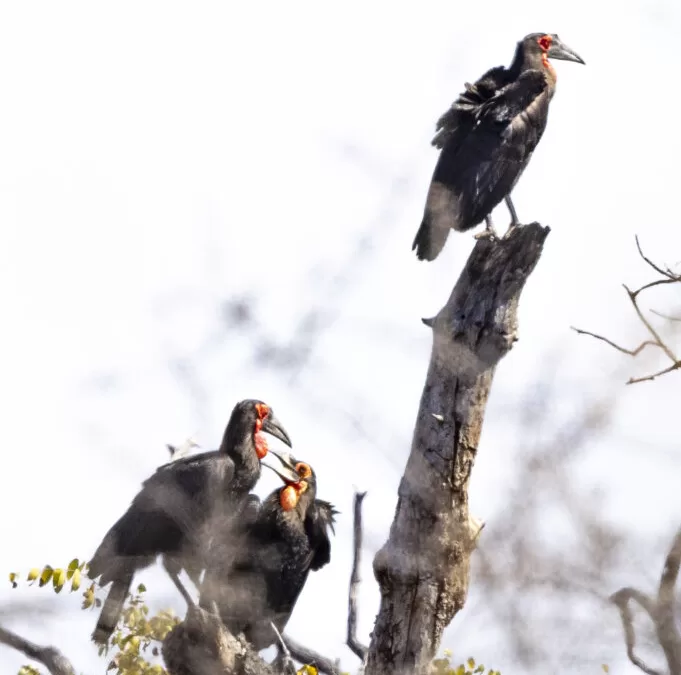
(543, 46)
(249, 420)
(300, 482)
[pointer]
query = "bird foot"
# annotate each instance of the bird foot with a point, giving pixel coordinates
(488, 233)
(511, 229)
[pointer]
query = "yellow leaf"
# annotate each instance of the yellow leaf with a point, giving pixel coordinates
(13, 579)
(34, 574)
(45, 576)
(308, 670)
(73, 566)
(471, 662)
(606, 668)
(75, 580)
(58, 579)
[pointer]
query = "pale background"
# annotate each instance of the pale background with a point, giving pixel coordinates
(159, 160)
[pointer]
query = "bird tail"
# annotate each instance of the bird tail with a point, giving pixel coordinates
(112, 610)
(441, 215)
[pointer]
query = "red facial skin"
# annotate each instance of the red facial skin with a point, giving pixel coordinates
(261, 447)
(545, 44)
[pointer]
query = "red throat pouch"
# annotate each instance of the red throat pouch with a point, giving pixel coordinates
(260, 445)
(288, 498)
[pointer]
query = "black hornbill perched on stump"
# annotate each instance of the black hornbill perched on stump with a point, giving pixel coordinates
(486, 140)
(179, 508)
(258, 581)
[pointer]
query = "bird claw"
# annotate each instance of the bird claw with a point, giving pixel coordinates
(511, 229)
(486, 234)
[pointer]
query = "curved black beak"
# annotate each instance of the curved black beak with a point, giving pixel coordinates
(287, 472)
(559, 50)
(274, 427)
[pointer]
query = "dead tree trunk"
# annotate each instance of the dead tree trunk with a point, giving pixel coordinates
(423, 569)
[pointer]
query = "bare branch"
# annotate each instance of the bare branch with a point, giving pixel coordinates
(621, 599)
(657, 341)
(644, 321)
(357, 647)
(664, 371)
(667, 273)
(50, 657)
(665, 625)
(624, 350)
(311, 658)
(660, 610)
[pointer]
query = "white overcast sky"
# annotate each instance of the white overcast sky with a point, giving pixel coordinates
(157, 158)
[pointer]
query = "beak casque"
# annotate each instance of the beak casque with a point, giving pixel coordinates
(287, 472)
(274, 427)
(560, 51)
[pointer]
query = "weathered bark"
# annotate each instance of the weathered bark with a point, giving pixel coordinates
(201, 645)
(50, 657)
(423, 569)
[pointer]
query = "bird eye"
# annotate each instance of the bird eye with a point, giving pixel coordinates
(545, 42)
(262, 410)
(303, 470)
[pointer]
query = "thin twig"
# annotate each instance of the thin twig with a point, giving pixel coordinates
(50, 657)
(355, 645)
(664, 371)
(311, 658)
(657, 341)
(624, 350)
(656, 337)
(667, 273)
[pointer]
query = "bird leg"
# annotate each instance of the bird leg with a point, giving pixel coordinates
(514, 216)
(180, 587)
(284, 661)
(489, 232)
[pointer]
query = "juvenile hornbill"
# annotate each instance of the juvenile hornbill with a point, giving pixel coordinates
(179, 508)
(486, 139)
(258, 582)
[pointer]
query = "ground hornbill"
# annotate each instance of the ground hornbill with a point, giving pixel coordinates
(258, 581)
(178, 508)
(486, 140)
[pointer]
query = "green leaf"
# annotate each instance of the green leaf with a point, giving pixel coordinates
(141, 588)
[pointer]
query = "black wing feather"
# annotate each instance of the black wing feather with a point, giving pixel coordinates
(319, 521)
(486, 164)
(170, 503)
(486, 139)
